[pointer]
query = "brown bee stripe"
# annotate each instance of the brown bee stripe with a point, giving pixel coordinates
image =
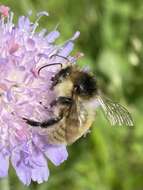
(61, 132)
(56, 137)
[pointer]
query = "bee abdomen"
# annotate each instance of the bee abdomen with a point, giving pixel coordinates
(57, 136)
(72, 133)
(60, 132)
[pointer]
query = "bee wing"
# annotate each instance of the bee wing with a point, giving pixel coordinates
(115, 113)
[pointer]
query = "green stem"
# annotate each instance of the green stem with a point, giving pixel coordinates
(4, 184)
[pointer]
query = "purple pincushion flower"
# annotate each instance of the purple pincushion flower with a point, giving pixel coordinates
(24, 93)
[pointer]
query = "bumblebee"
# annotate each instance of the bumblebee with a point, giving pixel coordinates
(76, 104)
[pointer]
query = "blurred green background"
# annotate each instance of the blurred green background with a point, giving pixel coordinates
(109, 158)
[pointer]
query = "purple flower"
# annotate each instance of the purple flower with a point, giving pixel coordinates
(22, 52)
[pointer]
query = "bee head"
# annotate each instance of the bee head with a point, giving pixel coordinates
(85, 85)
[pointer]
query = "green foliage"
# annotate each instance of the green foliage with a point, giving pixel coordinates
(109, 158)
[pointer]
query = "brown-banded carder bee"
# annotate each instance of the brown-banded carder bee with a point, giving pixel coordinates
(78, 98)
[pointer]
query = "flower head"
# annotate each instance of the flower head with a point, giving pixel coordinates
(22, 52)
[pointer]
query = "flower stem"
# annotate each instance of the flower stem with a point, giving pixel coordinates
(4, 184)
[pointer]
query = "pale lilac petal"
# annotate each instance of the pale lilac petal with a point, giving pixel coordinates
(68, 47)
(22, 171)
(30, 44)
(52, 36)
(75, 36)
(30, 165)
(57, 154)
(40, 174)
(4, 165)
(3, 61)
(40, 171)
(24, 23)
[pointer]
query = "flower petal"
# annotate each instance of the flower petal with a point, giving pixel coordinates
(75, 36)
(57, 154)
(22, 171)
(24, 23)
(40, 171)
(52, 36)
(68, 47)
(4, 165)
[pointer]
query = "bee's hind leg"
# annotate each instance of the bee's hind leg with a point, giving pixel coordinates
(32, 122)
(44, 124)
(66, 101)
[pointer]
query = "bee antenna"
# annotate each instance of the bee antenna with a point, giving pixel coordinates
(60, 56)
(48, 66)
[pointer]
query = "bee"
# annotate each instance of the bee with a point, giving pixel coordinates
(78, 98)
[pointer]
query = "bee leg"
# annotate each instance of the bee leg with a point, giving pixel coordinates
(32, 122)
(62, 100)
(66, 101)
(50, 122)
(44, 124)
